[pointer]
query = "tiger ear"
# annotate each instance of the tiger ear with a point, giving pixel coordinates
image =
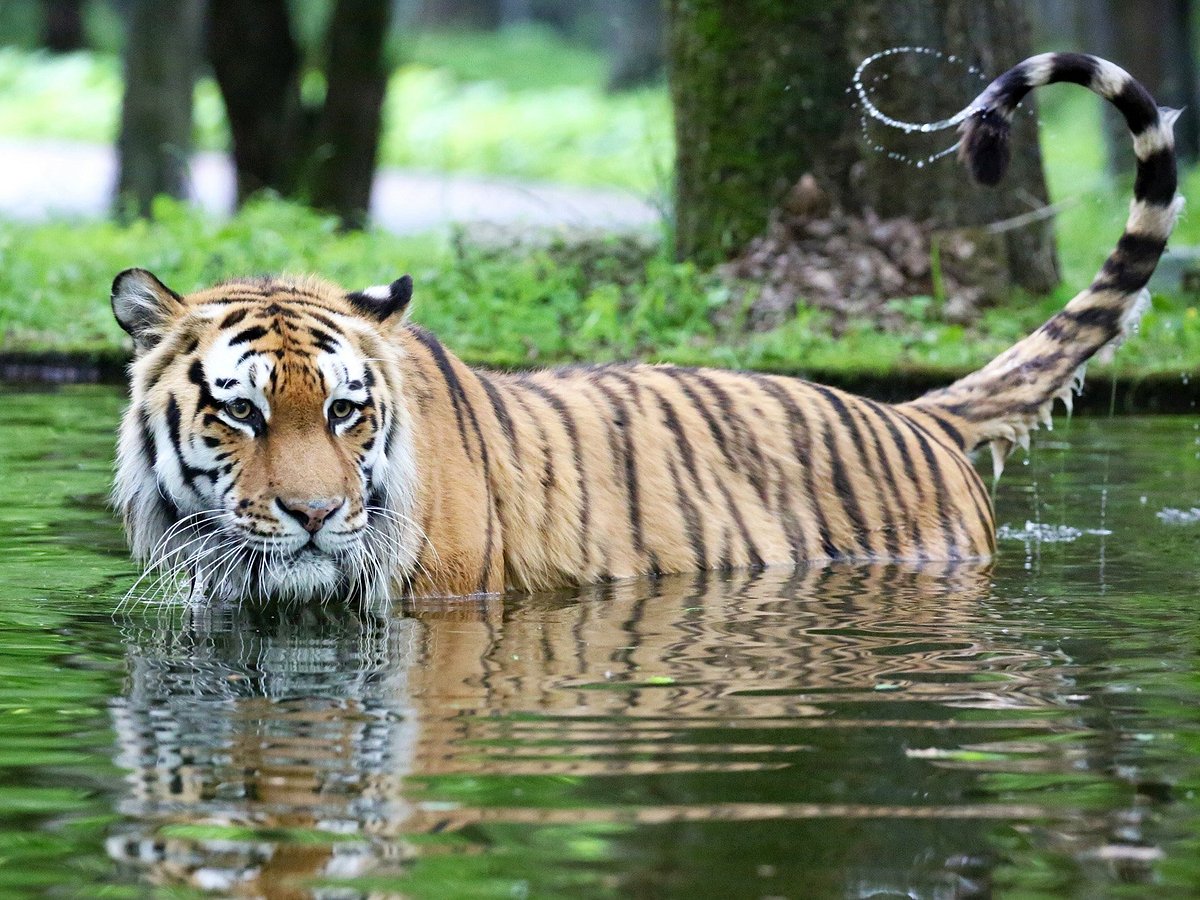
(143, 305)
(384, 302)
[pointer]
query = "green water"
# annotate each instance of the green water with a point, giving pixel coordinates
(1029, 728)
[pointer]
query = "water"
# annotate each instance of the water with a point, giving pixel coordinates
(1027, 729)
(869, 111)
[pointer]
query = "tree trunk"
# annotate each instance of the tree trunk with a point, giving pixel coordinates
(62, 25)
(162, 49)
(759, 90)
(257, 66)
(322, 155)
(479, 15)
(515, 12)
(1057, 25)
(637, 43)
(1160, 56)
(992, 36)
(348, 133)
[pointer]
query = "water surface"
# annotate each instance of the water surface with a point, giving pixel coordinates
(1030, 727)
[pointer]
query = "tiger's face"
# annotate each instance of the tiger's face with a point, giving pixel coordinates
(265, 453)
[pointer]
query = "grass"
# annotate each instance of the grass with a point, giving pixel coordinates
(523, 103)
(503, 308)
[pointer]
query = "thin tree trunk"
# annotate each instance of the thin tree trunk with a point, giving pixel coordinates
(257, 66)
(162, 50)
(322, 155)
(348, 133)
(62, 25)
(515, 12)
(482, 15)
(638, 44)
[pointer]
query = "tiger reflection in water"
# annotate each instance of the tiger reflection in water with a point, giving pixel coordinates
(262, 722)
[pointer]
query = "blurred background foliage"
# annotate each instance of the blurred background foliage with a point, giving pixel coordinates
(568, 92)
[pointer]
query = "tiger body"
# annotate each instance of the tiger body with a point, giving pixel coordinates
(577, 475)
(288, 438)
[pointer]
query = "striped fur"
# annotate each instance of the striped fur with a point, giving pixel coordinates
(448, 480)
(1007, 398)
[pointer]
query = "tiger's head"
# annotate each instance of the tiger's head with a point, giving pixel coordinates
(266, 451)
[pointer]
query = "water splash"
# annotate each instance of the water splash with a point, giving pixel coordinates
(872, 111)
(1042, 533)
(1170, 516)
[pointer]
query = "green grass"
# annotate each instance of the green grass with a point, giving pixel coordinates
(503, 308)
(523, 103)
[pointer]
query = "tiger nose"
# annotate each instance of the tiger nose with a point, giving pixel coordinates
(311, 514)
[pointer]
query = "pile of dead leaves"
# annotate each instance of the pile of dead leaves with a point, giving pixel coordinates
(856, 267)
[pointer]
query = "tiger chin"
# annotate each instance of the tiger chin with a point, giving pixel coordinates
(289, 439)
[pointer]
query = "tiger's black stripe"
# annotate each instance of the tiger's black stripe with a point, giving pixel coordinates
(687, 456)
(453, 386)
(885, 416)
(682, 444)
(858, 440)
(745, 437)
(691, 518)
(740, 523)
(890, 500)
(187, 472)
(568, 423)
(500, 411)
(792, 528)
(247, 335)
(841, 480)
(949, 532)
(797, 426)
(547, 478)
(624, 460)
(718, 435)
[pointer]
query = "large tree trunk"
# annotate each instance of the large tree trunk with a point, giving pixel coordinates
(348, 133)
(257, 66)
(62, 25)
(992, 36)
(162, 49)
(759, 89)
(1152, 39)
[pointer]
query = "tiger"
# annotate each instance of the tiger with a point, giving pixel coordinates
(286, 438)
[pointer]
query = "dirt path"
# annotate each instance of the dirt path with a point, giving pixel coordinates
(44, 178)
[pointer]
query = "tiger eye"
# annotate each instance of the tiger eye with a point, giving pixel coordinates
(240, 409)
(340, 409)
